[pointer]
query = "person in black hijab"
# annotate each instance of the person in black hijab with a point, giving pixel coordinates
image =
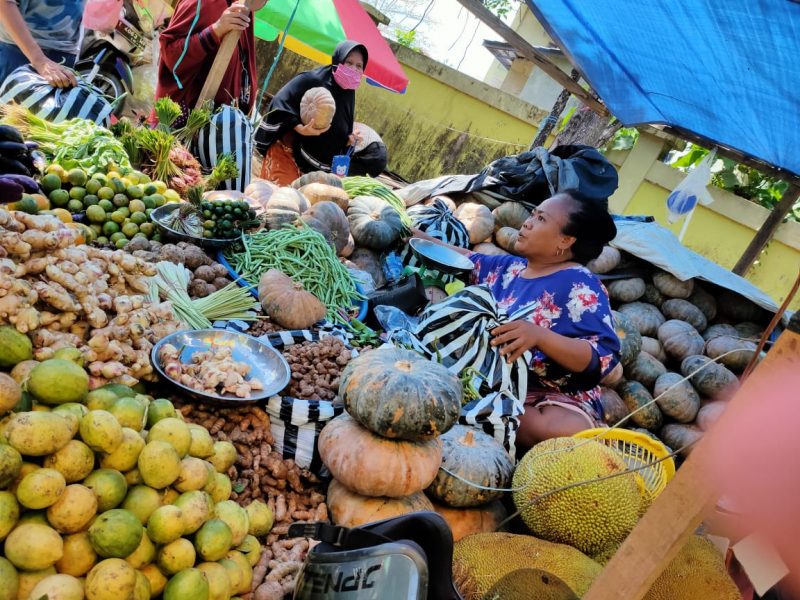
(291, 148)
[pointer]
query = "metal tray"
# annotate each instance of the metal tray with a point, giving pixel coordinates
(266, 363)
(441, 258)
(160, 216)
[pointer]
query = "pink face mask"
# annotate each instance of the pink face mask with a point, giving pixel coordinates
(348, 78)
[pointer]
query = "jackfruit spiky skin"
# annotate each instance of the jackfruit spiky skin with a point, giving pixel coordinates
(698, 571)
(481, 560)
(594, 517)
(527, 584)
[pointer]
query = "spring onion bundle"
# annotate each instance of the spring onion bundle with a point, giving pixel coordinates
(231, 302)
(302, 254)
(366, 186)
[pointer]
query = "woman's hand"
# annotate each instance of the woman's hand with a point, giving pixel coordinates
(55, 74)
(235, 18)
(309, 130)
(516, 337)
(355, 138)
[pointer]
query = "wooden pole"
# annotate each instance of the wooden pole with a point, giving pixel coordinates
(681, 507)
(767, 230)
(551, 120)
(221, 62)
(532, 54)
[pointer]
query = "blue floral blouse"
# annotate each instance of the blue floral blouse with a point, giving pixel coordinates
(572, 302)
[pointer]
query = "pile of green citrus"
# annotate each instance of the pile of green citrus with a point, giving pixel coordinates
(116, 206)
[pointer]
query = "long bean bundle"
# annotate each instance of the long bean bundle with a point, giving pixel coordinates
(367, 186)
(302, 254)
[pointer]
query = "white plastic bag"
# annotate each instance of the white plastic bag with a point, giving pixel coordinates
(684, 198)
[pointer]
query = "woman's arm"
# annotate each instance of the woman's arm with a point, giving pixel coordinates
(12, 21)
(416, 233)
(516, 337)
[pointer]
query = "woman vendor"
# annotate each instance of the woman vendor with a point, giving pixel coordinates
(291, 148)
(570, 332)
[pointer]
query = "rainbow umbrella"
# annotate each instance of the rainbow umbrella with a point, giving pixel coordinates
(317, 26)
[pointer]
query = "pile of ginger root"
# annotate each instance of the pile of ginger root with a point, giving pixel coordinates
(66, 295)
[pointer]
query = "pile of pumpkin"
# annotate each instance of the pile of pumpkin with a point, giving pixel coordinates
(671, 330)
(398, 440)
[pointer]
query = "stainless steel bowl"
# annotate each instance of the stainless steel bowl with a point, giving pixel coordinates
(161, 215)
(266, 363)
(441, 258)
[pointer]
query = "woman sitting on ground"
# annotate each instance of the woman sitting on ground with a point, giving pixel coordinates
(570, 333)
(291, 148)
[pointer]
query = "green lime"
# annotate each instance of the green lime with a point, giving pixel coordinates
(96, 214)
(125, 211)
(149, 212)
(75, 206)
(120, 200)
(77, 193)
(159, 199)
(149, 202)
(147, 229)
(149, 189)
(172, 195)
(50, 182)
(105, 193)
(138, 218)
(100, 177)
(117, 185)
(106, 205)
(77, 177)
(117, 236)
(98, 229)
(59, 197)
(157, 238)
(118, 217)
(110, 228)
(135, 191)
(102, 240)
(120, 244)
(130, 229)
(90, 200)
(93, 186)
(136, 206)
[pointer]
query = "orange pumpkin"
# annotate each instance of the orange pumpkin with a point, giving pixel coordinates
(317, 107)
(466, 521)
(349, 509)
(374, 466)
(287, 303)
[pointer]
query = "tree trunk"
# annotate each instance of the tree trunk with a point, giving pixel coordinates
(551, 120)
(588, 128)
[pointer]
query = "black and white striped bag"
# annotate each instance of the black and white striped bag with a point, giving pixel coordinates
(229, 132)
(295, 423)
(27, 88)
(456, 333)
(436, 220)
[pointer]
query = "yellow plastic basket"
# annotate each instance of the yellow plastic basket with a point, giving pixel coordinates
(638, 449)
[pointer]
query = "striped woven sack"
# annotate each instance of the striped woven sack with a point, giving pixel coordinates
(229, 132)
(436, 220)
(26, 87)
(457, 333)
(295, 423)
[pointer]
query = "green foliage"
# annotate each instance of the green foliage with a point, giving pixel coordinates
(500, 7)
(624, 139)
(407, 38)
(737, 178)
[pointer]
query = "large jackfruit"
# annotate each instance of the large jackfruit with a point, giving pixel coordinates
(480, 561)
(594, 517)
(698, 571)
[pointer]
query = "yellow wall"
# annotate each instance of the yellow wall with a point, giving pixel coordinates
(446, 122)
(720, 231)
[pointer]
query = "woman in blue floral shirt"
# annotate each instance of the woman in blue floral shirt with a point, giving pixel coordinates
(570, 330)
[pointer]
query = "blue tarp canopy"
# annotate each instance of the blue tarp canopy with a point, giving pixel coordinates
(728, 72)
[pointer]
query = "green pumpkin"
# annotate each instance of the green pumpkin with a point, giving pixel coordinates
(399, 394)
(635, 396)
(317, 177)
(677, 399)
(477, 457)
(332, 217)
(630, 340)
(374, 223)
(645, 369)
